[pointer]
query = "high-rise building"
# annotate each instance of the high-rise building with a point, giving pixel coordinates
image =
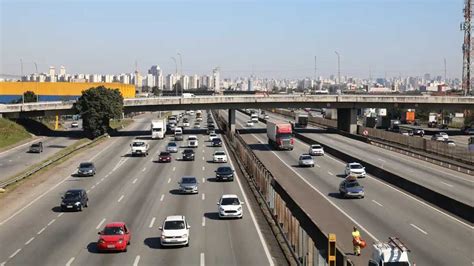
(250, 84)
(52, 71)
(206, 81)
(184, 80)
(170, 81)
(194, 82)
(215, 81)
(62, 71)
(150, 80)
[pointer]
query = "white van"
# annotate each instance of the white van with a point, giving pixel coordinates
(178, 133)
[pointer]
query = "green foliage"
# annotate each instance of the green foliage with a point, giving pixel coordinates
(11, 133)
(156, 91)
(469, 119)
(30, 97)
(97, 106)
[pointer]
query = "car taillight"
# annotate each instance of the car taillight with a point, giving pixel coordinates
(278, 141)
(292, 141)
(120, 241)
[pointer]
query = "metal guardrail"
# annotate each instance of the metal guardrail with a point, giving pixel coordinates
(6, 183)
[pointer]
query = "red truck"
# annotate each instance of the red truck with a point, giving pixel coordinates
(280, 135)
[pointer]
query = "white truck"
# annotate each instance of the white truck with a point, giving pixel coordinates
(158, 129)
(254, 117)
(393, 252)
(139, 147)
(301, 120)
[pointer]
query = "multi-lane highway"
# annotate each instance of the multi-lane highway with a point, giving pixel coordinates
(141, 192)
(17, 159)
(434, 237)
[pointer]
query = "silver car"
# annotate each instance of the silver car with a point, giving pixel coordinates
(306, 160)
(172, 147)
(188, 184)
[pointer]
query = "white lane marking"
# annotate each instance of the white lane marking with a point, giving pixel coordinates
(121, 198)
(100, 224)
(330, 173)
(51, 222)
(317, 165)
(174, 169)
(102, 179)
(449, 185)
(162, 197)
(419, 229)
(137, 259)
(203, 168)
(203, 196)
(402, 192)
(259, 232)
(98, 182)
(135, 181)
(3, 263)
(203, 158)
(203, 221)
(61, 214)
(93, 186)
(322, 194)
(14, 253)
(202, 151)
(169, 180)
(152, 222)
(144, 169)
(202, 260)
(203, 180)
(377, 203)
(107, 175)
(41, 231)
(29, 241)
(69, 262)
(382, 160)
(88, 190)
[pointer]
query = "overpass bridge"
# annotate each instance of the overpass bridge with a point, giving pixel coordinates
(346, 105)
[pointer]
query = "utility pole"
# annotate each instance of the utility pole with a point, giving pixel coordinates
(466, 47)
(445, 80)
(315, 69)
(181, 70)
(338, 68)
(176, 73)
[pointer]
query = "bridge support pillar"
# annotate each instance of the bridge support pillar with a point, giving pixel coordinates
(347, 120)
(231, 121)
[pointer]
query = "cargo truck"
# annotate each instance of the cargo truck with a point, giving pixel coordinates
(393, 252)
(301, 120)
(280, 135)
(158, 129)
(408, 117)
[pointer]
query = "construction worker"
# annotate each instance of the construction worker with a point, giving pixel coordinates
(356, 241)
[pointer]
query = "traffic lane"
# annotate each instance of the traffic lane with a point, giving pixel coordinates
(37, 212)
(17, 160)
(447, 182)
(410, 219)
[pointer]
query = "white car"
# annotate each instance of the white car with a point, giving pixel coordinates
(444, 135)
(450, 142)
(75, 124)
(213, 136)
(197, 125)
(315, 150)
(250, 123)
(193, 141)
(185, 124)
(306, 160)
(355, 169)
(219, 157)
(230, 207)
(175, 231)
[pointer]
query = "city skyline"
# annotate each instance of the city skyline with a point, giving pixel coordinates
(277, 40)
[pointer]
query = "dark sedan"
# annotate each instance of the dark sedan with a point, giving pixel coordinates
(74, 199)
(164, 157)
(188, 155)
(225, 173)
(36, 147)
(216, 142)
(86, 169)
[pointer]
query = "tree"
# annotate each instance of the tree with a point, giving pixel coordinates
(97, 106)
(29, 97)
(156, 91)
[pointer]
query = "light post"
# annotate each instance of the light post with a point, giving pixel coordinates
(181, 69)
(338, 69)
(176, 73)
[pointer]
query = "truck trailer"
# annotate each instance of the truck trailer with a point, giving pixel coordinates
(158, 129)
(301, 120)
(280, 135)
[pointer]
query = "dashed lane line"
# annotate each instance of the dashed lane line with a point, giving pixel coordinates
(100, 224)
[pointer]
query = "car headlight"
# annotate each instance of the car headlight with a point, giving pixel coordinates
(239, 208)
(101, 241)
(163, 237)
(221, 209)
(184, 236)
(120, 241)
(77, 203)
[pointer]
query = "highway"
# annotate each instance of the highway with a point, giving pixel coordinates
(434, 237)
(140, 192)
(451, 183)
(17, 159)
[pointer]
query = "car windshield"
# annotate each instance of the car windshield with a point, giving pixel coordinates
(352, 184)
(174, 225)
(219, 153)
(230, 201)
(224, 169)
(115, 230)
(306, 157)
(216, 140)
(398, 263)
(356, 166)
(85, 165)
(188, 180)
(164, 153)
(188, 151)
(192, 138)
(72, 195)
(138, 144)
(35, 145)
(316, 147)
(172, 144)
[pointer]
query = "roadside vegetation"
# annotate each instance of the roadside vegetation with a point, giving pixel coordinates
(120, 123)
(11, 133)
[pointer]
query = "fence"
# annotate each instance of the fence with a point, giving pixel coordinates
(307, 242)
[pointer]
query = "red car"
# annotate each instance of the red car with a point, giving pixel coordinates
(164, 157)
(115, 236)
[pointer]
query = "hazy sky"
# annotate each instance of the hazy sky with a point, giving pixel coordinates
(270, 38)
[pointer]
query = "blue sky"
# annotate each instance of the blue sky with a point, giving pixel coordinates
(269, 38)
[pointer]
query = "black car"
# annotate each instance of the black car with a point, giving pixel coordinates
(188, 155)
(418, 132)
(86, 169)
(36, 147)
(210, 128)
(225, 173)
(217, 142)
(74, 199)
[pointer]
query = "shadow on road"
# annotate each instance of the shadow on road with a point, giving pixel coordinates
(212, 215)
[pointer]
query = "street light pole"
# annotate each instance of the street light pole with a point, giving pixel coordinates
(176, 73)
(181, 70)
(338, 68)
